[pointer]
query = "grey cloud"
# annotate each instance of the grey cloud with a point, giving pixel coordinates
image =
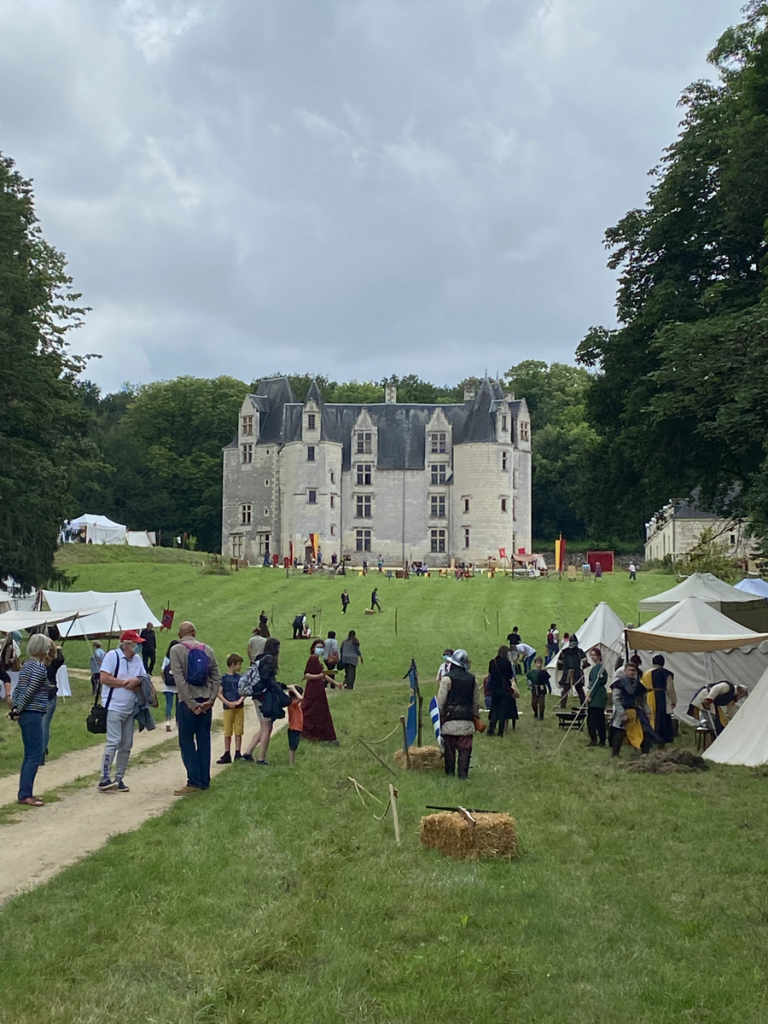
(358, 188)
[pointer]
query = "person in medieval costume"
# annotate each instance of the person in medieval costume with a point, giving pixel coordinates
(630, 723)
(572, 662)
(318, 724)
(659, 683)
(458, 701)
(721, 701)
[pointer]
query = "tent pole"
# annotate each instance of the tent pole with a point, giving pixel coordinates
(111, 626)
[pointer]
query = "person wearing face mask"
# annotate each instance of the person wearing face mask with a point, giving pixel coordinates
(318, 724)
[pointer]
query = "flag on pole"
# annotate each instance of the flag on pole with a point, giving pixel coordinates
(167, 619)
(502, 553)
(412, 721)
(434, 714)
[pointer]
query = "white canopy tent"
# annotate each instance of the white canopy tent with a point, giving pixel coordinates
(117, 611)
(139, 539)
(99, 529)
(745, 740)
(34, 619)
(603, 629)
(756, 587)
(701, 646)
(747, 609)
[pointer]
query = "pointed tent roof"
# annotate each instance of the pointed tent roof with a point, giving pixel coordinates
(758, 588)
(745, 740)
(691, 626)
(747, 609)
(603, 629)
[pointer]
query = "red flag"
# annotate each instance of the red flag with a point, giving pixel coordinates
(502, 552)
(167, 620)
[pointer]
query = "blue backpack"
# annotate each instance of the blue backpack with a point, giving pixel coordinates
(198, 665)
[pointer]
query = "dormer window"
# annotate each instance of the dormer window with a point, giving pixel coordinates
(438, 444)
(364, 443)
(504, 424)
(310, 421)
(247, 425)
(524, 431)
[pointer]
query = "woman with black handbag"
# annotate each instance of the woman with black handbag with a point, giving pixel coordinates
(270, 698)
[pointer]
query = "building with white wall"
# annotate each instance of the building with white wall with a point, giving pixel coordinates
(408, 482)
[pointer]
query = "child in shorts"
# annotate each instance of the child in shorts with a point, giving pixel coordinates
(234, 709)
(295, 724)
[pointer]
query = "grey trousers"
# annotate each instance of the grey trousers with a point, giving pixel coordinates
(119, 742)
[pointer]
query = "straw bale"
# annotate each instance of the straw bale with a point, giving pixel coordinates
(423, 759)
(493, 835)
(668, 762)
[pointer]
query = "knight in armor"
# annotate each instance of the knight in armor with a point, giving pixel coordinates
(458, 701)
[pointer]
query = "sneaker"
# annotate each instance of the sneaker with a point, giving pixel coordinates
(264, 763)
(225, 759)
(106, 785)
(238, 756)
(248, 757)
(122, 788)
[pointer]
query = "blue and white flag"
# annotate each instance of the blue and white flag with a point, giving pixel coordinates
(434, 714)
(412, 721)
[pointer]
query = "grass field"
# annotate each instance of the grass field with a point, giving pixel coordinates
(278, 897)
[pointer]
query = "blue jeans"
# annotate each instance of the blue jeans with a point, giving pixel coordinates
(31, 723)
(195, 744)
(52, 701)
(169, 695)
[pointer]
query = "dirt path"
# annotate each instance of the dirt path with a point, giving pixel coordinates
(47, 839)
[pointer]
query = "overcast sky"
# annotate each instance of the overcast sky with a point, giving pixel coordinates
(349, 187)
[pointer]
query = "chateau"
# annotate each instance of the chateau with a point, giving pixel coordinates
(408, 482)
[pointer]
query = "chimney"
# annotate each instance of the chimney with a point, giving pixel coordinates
(390, 394)
(469, 394)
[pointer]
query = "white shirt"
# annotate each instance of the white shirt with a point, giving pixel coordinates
(122, 699)
(525, 650)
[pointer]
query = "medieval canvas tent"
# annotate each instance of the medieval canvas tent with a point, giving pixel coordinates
(759, 588)
(603, 629)
(745, 741)
(747, 609)
(117, 611)
(701, 646)
(99, 529)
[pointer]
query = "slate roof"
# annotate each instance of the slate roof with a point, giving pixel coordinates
(401, 427)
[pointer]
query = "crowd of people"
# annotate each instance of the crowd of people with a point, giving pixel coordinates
(640, 714)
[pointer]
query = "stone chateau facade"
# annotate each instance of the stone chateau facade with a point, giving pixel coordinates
(408, 482)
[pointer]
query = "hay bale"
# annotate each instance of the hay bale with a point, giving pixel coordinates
(493, 835)
(423, 759)
(668, 762)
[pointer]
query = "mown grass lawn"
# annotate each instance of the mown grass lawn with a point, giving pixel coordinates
(278, 897)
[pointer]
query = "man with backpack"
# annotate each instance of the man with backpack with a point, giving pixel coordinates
(198, 680)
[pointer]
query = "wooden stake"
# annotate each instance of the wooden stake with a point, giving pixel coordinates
(379, 759)
(395, 621)
(405, 743)
(393, 805)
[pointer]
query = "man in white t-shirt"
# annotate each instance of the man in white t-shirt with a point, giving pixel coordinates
(121, 672)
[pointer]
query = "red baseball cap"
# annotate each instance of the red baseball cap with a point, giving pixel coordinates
(132, 636)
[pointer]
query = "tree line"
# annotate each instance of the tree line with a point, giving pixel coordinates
(673, 399)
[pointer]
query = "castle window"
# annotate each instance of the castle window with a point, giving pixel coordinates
(524, 431)
(437, 506)
(362, 540)
(504, 424)
(333, 530)
(364, 443)
(310, 453)
(503, 504)
(333, 477)
(245, 515)
(247, 425)
(247, 452)
(312, 497)
(438, 473)
(437, 541)
(438, 444)
(266, 483)
(505, 461)
(466, 536)
(236, 540)
(263, 544)
(514, 508)
(333, 501)
(514, 478)
(363, 507)
(733, 540)
(364, 474)
(466, 504)
(266, 512)
(310, 421)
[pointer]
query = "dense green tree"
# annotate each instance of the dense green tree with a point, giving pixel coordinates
(45, 412)
(692, 280)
